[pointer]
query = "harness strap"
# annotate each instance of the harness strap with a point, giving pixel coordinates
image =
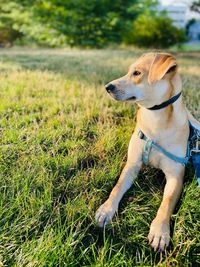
(195, 150)
(146, 152)
(150, 143)
(196, 163)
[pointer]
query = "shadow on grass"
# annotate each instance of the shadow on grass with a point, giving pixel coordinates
(124, 233)
(90, 68)
(127, 231)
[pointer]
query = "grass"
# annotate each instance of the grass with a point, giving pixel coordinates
(63, 146)
(187, 47)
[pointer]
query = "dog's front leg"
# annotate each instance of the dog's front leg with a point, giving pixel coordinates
(106, 211)
(159, 235)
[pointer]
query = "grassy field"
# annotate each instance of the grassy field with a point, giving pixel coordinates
(63, 146)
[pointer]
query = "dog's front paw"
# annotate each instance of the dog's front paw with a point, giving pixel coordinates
(159, 235)
(105, 213)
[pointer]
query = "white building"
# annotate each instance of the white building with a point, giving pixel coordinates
(180, 13)
(177, 12)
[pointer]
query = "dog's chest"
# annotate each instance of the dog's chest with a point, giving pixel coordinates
(158, 160)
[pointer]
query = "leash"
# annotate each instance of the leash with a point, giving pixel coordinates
(193, 146)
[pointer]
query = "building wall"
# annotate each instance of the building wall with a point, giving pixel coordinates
(180, 14)
(177, 13)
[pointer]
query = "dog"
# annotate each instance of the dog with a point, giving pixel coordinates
(153, 83)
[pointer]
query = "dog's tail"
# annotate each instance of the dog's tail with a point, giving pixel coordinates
(193, 121)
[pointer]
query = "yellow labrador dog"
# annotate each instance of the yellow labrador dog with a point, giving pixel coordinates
(160, 137)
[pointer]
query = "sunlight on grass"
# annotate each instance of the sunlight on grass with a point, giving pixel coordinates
(63, 145)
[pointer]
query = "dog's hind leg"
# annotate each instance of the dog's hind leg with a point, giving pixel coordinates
(106, 211)
(159, 235)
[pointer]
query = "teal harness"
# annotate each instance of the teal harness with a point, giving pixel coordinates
(150, 143)
(193, 146)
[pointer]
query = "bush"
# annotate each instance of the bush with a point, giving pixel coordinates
(85, 23)
(8, 36)
(151, 30)
(88, 23)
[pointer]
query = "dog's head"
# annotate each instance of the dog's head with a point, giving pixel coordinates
(149, 81)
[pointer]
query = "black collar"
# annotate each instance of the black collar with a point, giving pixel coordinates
(166, 103)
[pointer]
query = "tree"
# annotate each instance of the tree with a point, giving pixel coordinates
(154, 30)
(196, 6)
(7, 33)
(92, 23)
(88, 23)
(85, 23)
(19, 23)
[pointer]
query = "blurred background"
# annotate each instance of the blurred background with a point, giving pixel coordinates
(100, 23)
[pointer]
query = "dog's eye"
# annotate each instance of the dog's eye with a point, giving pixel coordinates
(136, 73)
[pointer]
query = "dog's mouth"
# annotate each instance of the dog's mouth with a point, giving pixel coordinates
(131, 98)
(119, 97)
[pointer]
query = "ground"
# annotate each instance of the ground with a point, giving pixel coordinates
(63, 146)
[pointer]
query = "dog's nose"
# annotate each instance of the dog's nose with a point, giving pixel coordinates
(110, 87)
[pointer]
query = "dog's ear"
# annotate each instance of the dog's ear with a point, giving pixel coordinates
(161, 65)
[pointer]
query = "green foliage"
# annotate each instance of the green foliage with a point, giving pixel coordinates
(84, 23)
(80, 23)
(7, 32)
(87, 22)
(18, 20)
(8, 35)
(196, 6)
(153, 30)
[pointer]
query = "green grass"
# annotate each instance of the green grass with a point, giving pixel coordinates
(186, 47)
(63, 146)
